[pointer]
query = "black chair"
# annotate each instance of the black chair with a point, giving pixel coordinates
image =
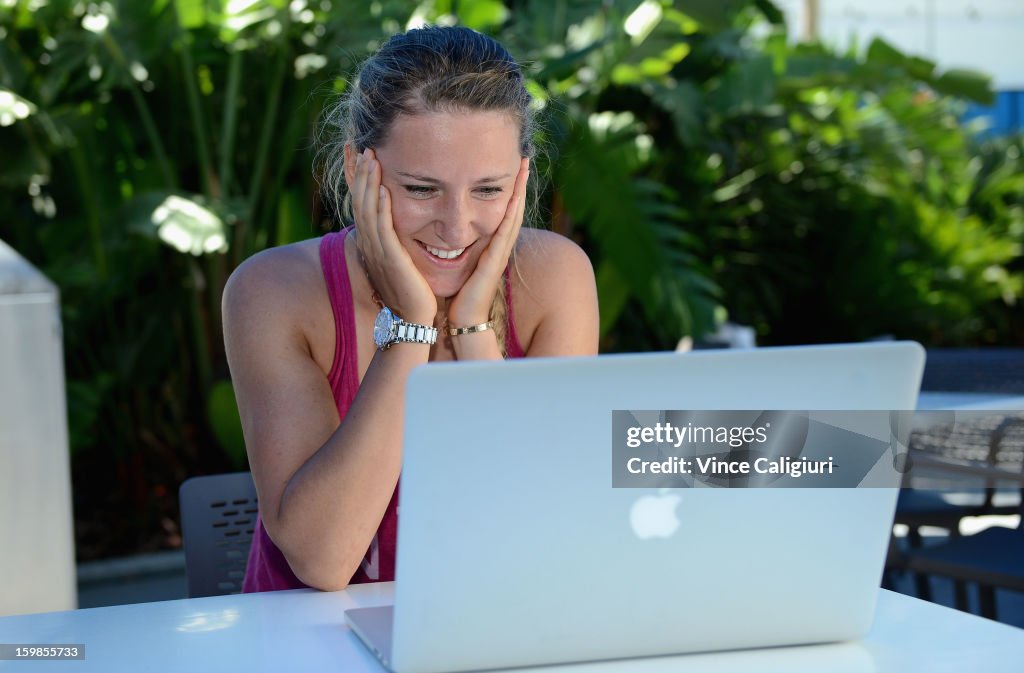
(916, 508)
(990, 370)
(977, 441)
(993, 558)
(963, 370)
(218, 515)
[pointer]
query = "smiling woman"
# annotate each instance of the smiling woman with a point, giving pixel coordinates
(447, 173)
(427, 160)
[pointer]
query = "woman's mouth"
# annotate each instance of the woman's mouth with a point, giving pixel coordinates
(444, 254)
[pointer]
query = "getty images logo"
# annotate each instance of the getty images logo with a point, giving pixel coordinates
(655, 516)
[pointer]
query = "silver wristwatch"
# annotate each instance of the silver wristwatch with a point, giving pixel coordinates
(389, 329)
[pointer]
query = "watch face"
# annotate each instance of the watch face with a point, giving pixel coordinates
(382, 334)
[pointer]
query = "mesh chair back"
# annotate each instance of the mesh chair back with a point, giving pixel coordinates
(218, 514)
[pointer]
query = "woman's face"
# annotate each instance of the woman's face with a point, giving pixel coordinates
(450, 177)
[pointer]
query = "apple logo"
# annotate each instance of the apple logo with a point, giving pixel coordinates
(655, 515)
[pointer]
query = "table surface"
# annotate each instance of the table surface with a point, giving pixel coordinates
(305, 630)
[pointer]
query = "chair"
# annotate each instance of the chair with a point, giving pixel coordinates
(992, 558)
(980, 441)
(916, 508)
(989, 370)
(964, 370)
(218, 514)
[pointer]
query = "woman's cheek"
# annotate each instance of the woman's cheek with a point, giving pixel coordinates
(494, 214)
(406, 213)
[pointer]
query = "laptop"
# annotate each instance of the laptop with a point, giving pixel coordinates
(515, 550)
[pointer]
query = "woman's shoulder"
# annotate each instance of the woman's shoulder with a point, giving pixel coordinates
(544, 260)
(546, 255)
(283, 277)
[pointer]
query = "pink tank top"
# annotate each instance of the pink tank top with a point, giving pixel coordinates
(267, 569)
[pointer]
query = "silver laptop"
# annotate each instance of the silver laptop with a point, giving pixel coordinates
(515, 550)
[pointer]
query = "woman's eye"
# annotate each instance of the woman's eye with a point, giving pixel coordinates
(425, 190)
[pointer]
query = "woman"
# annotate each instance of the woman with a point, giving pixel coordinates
(434, 148)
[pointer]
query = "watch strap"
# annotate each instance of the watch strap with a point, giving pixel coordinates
(407, 332)
(390, 329)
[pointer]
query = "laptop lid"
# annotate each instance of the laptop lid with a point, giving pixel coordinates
(515, 550)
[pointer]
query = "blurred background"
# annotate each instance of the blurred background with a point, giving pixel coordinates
(817, 170)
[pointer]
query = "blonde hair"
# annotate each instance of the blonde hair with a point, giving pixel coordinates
(426, 70)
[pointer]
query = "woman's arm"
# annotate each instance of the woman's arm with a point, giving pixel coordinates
(323, 487)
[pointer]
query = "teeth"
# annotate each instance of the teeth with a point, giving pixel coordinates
(445, 254)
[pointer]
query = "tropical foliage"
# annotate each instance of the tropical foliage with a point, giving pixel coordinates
(707, 165)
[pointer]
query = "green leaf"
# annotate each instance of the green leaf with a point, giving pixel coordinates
(292, 218)
(968, 84)
(685, 102)
(191, 13)
(612, 294)
(771, 12)
(22, 159)
(748, 86)
(567, 65)
(813, 68)
(14, 108)
(715, 15)
(920, 68)
(882, 53)
(241, 15)
(625, 74)
(182, 221)
(589, 175)
(85, 405)
(483, 15)
(735, 186)
(631, 221)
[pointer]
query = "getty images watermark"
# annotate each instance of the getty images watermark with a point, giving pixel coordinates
(774, 449)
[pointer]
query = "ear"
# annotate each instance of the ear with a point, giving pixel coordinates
(350, 164)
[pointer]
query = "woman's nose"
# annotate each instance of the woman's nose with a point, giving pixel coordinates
(456, 220)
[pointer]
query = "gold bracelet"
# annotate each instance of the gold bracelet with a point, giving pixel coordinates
(482, 327)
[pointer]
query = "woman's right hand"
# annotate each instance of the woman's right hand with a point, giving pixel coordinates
(391, 270)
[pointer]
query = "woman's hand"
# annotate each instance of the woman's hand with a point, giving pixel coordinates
(391, 270)
(472, 304)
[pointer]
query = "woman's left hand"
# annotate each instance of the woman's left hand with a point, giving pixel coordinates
(472, 304)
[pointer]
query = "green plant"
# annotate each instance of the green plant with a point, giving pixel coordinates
(828, 196)
(152, 147)
(703, 161)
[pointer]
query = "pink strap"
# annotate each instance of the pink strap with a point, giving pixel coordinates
(512, 346)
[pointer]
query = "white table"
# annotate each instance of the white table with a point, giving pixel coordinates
(293, 631)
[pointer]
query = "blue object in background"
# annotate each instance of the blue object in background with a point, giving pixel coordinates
(1006, 116)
